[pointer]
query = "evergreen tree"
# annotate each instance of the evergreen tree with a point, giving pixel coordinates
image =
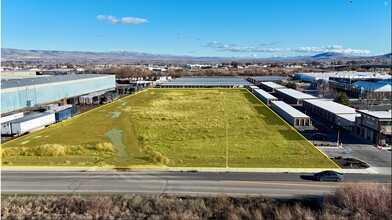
(342, 98)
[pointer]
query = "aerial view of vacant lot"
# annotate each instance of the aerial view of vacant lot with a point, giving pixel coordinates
(170, 128)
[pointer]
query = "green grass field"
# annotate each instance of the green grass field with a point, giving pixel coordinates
(173, 128)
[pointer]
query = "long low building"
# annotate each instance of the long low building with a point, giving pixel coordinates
(294, 117)
(292, 96)
(258, 79)
(270, 86)
(264, 96)
(207, 82)
(252, 88)
(336, 113)
(27, 92)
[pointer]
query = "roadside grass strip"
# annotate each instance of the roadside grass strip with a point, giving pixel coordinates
(171, 128)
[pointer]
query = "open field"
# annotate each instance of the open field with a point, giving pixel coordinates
(174, 128)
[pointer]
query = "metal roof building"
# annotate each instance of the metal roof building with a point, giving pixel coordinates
(271, 86)
(294, 117)
(293, 96)
(336, 113)
(372, 86)
(264, 96)
(252, 88)
(26, 92)
(377, 114)
(310, 77)
(207, 82)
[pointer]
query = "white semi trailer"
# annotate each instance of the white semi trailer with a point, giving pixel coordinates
(32, 123)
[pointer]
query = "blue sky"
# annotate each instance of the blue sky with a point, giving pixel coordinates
(228, 28)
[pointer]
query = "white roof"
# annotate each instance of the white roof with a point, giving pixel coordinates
(343, 74)
(265, 94)
(331, 106)
(377, 114)
(253, 87)
(289, 109)
(272, 85)
(296, 94)
(349, 117)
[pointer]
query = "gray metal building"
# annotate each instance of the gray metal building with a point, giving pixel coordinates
(292, 96)
(294, 117)
(270, 86)
(333, 112)
(264, 96)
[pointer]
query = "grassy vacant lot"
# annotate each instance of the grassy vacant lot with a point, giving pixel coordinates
(171, 127)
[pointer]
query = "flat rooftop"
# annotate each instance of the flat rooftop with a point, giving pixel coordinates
(331, 106)
(296, 94)
(377, 114)
(289, 109)
(343, 74)
(265, 94)
(31, 81)
(272, 85)
(208, 81)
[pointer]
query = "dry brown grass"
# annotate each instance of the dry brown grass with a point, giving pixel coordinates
(105, 146)
(362, 201)
(351, 201)
(53, 150)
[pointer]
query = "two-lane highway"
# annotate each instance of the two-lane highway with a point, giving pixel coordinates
(184, 183)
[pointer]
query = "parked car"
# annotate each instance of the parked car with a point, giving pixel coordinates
(318, 136)
(328, 175)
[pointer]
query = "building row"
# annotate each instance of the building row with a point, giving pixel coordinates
(294, 117)
(371, 125)
(207, 82)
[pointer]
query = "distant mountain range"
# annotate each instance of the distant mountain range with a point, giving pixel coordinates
(8, 54)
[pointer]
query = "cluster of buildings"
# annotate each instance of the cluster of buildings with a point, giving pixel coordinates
(371, 125)
(355, 84)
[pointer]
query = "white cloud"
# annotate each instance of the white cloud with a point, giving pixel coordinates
(124, 20)
(238, 48)
(332, 48)
(261, 49)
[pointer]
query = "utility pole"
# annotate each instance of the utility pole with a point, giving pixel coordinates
(337, 141)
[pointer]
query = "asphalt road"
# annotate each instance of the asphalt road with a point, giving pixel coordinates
(115, 182)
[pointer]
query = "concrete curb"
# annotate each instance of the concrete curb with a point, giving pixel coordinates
(209, 170)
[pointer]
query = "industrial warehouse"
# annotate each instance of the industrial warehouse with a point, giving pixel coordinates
(18, 93)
